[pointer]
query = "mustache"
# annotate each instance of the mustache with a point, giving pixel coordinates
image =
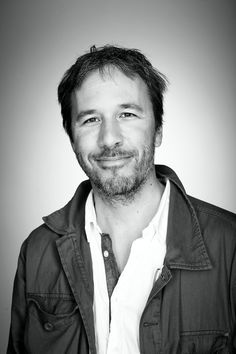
(113, 152)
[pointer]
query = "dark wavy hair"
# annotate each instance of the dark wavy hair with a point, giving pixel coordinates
(129, 61)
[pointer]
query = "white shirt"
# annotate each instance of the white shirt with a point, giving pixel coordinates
(121, 335)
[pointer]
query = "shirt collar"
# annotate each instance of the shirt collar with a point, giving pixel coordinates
(90, 216)
(158, 224)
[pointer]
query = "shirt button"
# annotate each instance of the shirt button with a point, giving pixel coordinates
(48, 326)
(106, 254)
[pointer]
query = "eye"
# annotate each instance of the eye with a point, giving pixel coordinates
(91, 120)
(127, 115)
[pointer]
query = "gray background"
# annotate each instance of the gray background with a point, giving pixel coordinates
(191, 41)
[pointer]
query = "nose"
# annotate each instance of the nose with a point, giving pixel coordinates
(110, 134)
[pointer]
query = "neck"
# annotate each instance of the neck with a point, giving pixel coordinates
(129, 213)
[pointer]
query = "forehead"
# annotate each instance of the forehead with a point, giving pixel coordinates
(111, 83)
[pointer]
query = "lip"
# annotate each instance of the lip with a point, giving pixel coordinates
(115, 161)
(113, 158)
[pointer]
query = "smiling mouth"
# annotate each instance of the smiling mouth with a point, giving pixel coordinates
(113, 158)
(113, 161)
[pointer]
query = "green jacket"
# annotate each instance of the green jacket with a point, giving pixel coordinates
(191, 308)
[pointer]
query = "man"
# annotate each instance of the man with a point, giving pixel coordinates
(131, 264)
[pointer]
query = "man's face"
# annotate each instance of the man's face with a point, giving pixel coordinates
(113, 131)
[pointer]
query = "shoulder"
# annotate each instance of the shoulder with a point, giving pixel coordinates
(213, 211)
(61, 222)
(40, 241)
(215, 221)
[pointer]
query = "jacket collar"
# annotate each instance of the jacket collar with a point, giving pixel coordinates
(185, 245)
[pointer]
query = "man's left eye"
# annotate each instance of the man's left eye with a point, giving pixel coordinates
(127, 115)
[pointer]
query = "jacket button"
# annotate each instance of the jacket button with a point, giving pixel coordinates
(163, 277)
(48, 326)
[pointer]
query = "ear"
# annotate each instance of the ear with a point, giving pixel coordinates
(158, 137)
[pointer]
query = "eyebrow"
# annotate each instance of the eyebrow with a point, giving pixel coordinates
(132, 106)
(85, 113)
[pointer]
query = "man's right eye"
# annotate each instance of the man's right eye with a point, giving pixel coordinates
(91, 120)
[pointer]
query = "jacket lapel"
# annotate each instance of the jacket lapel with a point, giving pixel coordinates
(75, 256)
(185, 245)
(77, 266)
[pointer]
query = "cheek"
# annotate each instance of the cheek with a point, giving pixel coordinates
(84, 145)
(140, 136)
(78, 144)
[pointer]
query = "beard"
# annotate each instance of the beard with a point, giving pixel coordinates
(118, 187)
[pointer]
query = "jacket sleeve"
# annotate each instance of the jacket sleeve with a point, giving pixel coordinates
(18, 310)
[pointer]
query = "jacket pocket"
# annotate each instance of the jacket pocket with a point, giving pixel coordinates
(53, 324)
(204, 342)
